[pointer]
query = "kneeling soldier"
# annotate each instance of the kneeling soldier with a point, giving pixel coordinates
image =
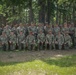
(41, 40)
(4, 41)
(59, 41)
(67, 41)
(30, 41)
(12, 40)
(50, 40)
(21, 40)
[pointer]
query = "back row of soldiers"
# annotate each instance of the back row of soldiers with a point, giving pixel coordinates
(37, 36)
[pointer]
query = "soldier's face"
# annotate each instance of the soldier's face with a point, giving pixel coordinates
(21, 32)
(32, 24)
(50, 32)
(12, 33)
(65, 25)
(3, 33)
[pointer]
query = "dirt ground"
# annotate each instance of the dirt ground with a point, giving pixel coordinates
(22, 56)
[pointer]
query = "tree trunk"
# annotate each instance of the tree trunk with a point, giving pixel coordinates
(31, 14)
(41, 11)
(48, 15)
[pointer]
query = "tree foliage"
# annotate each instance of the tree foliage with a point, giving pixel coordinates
(51, 11)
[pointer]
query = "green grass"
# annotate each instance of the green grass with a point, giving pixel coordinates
(56, 66)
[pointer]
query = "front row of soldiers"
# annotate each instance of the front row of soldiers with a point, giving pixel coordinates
(42, 42)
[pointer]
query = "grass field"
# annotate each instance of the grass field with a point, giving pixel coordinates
(52, 66)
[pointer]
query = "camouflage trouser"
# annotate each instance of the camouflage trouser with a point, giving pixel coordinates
(58, 46)
(72, 37)
(31, 46)
(51, 46)
(12, 46)
(68, 45)
(5, 46)
(40, 46)
(21, 46)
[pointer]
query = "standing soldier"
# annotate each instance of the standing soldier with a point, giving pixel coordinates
(41, 40)
(59, 40)
(33, 28)
(7, 30)
(20, 28)
(12, 40)
(47, 28)
(4, 41)
(21, 40)
(40, 27)
(67, 41)
(56, 30)
(71, 32)
(50, 40)
(14, 29)
(65, 29)
(30, 41)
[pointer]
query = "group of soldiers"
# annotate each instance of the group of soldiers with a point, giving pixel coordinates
(37, 37)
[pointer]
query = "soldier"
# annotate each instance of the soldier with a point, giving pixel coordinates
(71, 32)
(41, 40)
(33, 28)
(4, 41)
(7, 30)
(47, 28)
(21, 40)
(67, 41)
(40, 27)
(30, 41)
(56, 29)
(12, 40)
(14, 29)
(20, 28)
(50, 40)
(65, 29)
(59, 40)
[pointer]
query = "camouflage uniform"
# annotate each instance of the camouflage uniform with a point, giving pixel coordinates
(59, 40)
(40, 28)
(40, 40)
(47, 28)
(71, 33)
(30, 41)
(14, 29)
(21, 40)
(34, 30)
(20, 28)
(67, 41)
(50, 40)
(56, 30)
(12, 40)
(4, 41)
(7, 30)
(64, 30)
